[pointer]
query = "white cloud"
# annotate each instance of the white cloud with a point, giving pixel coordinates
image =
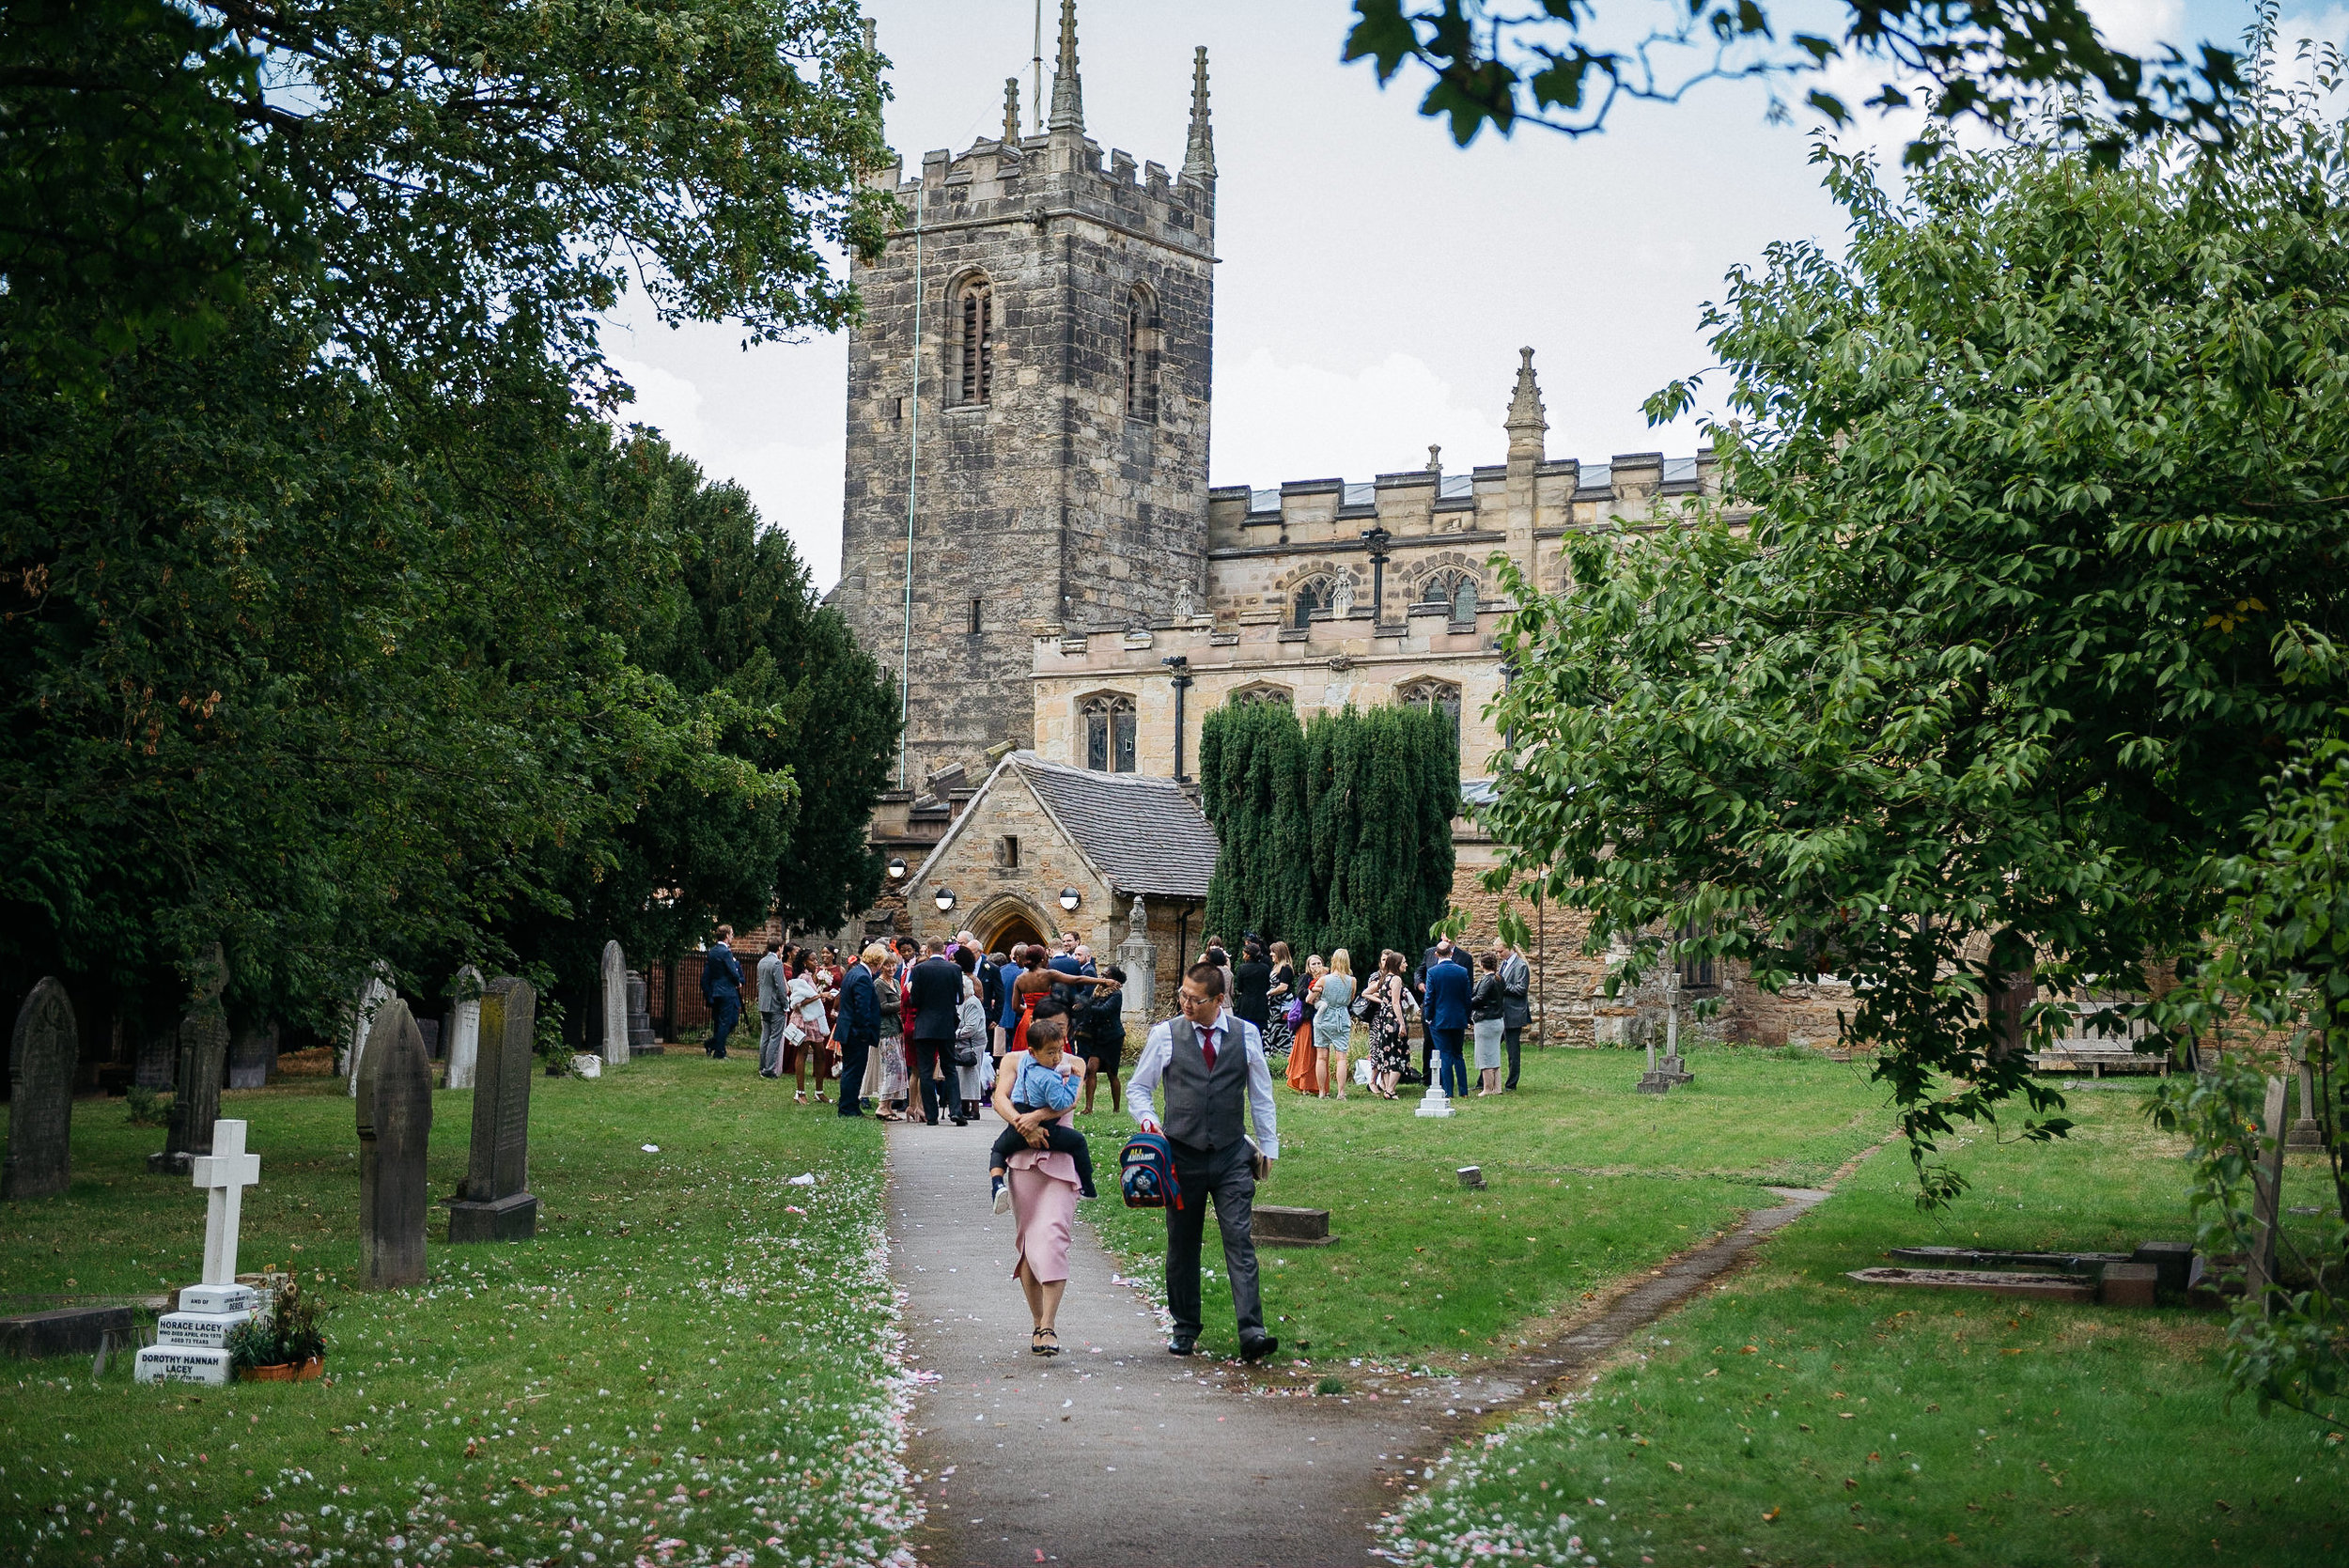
(795, 486)
(1276, 421)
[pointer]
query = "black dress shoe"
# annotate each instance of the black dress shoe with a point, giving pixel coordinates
(1258, 1349)
(1181, 1345)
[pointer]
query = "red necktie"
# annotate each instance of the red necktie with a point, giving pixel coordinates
(1206, 1048)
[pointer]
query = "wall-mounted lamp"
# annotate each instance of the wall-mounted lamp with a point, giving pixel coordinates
(897, 869)
(945, 900)
(1070, 899)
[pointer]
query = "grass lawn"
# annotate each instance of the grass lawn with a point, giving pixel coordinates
(1795, 1417)
(1586, 1181)
(694, 1360)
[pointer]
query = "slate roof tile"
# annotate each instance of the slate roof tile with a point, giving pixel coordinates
(1145, 833)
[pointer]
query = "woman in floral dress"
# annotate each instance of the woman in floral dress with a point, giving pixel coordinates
(1390, 1040)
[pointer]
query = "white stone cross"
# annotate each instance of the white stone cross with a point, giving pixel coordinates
(228, 1171)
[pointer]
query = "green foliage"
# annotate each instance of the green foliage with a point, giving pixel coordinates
(2278, 971)
(321, 587)
(292, 1333)
(1339, 835)
(148, 1109)
(1252, 762)
(1557, 66)
(2043, 579)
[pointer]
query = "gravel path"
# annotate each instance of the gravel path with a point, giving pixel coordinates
(1116, 1453)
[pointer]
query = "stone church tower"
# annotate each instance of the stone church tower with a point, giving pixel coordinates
(1028, 399)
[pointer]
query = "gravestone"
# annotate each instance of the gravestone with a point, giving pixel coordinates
(42, 1051)
(642, 1041)
(2308, 1133)
(158, 1059)
(203, 1067)
(251, 1056)
(2127, 1285)
(191, 1344)
(371, 998)
(613, 995)
(63, 1331)
(492, 1205)
(394, 1094)
(1273, 1225)
(2268, 1187)
(2031, 1287)
(465, 1028)
(1435, 1102)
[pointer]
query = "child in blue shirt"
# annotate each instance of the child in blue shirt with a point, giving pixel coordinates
(1046, 1082)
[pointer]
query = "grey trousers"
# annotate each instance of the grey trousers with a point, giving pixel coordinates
(1227, 1177)
(771, 1043)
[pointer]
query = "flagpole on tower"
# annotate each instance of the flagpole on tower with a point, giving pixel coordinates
(1038, 64)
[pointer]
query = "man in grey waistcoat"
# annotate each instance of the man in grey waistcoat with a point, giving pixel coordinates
(1211, 1064)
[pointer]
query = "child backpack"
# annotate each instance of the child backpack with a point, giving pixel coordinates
(1147, 1173)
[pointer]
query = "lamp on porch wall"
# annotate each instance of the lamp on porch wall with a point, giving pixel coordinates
(945, 900)
(1070, 899)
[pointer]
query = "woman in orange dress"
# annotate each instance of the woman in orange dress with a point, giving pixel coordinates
(1304, 1075)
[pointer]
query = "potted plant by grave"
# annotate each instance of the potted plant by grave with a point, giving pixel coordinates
(286, 1346)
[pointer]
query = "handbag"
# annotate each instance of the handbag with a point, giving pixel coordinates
(1293, 1012)
(1362, 1008)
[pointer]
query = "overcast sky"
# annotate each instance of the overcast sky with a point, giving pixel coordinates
(1376, 281)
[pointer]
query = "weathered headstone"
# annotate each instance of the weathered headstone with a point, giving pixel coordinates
(157, 1059)
(203, 1067)
(642, 1041)
(252, 1055)
(465, 1028)
(191, 1344)
(41, 1056)
(492, 1205)
(2127, 1285)
(2267, 1188)
(613, 995)
(2031, 1287)
(2308, 1133)
(62, 1332)
(395, 1093)
(372, 996)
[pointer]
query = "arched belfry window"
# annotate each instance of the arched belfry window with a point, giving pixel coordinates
(1316, 594)
(1108, 718)
(1454, 590)
(1442, 695)
(972, 318)
(1141, 357)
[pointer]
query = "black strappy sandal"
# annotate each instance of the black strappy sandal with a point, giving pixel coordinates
(1036, 1348)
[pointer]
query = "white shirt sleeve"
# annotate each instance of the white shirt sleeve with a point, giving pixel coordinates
(1141, 1088)
(1261, 1111)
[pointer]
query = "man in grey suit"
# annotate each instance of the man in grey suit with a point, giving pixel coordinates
(1211, 1064)
(774, 1011)
(1516, 1005)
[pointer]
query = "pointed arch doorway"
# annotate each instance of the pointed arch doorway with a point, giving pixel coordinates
(1002, 929)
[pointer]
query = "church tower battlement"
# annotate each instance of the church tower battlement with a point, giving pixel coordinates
(1028, 405)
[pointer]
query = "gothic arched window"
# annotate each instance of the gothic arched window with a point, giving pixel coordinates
(1456, 591)
(1109, 731)
(1313, 593)
(1141, 357)
(1269, 695)
(972, 320)
(1428, 691)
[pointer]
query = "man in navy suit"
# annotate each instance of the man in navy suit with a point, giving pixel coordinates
(1448, 1015)
(936, 989)
(857, 1033)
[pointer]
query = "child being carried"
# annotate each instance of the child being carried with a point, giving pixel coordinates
(1046, 1082)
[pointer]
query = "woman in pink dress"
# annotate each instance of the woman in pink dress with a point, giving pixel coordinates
(1043, 1201)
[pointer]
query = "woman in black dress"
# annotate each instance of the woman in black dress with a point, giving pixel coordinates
(1252, 979)
(1280, 988)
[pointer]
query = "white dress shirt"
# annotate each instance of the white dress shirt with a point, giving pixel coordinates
(1159, 1049)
